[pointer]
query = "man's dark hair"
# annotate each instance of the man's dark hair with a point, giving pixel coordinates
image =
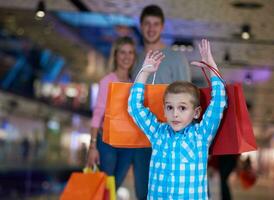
(152, 10)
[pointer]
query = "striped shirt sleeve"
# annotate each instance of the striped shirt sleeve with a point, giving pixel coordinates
(141, 115)
(211, 119)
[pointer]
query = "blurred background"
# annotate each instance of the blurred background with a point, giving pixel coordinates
(51, 62)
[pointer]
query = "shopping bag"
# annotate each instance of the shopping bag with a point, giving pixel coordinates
(119, 130)
(85, 186)
(110, 191)
(234, 136)
(110, 186)
(106, 194)
(247, 178)
(246, 173)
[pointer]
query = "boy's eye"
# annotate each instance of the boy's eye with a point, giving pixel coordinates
(168, 107)
(182, 108)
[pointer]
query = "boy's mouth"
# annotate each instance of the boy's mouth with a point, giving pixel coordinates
(175, 122)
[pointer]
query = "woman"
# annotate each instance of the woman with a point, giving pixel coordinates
(113, 161)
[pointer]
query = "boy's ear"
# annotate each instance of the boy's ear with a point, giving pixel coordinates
(197, 112)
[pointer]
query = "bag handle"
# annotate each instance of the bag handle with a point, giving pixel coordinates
(154, 74)
(94, 168)
(215, 71)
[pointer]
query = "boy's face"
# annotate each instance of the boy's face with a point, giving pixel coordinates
(152, 28)
(179, 110)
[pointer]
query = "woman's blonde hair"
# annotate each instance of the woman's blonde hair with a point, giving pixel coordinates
(112, 63)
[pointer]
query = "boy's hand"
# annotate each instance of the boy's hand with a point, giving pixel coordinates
(152, 61)
(206, 56)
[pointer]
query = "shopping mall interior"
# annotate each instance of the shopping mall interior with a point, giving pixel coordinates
(51, 64)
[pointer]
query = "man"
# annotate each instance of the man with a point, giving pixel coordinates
(174, 67)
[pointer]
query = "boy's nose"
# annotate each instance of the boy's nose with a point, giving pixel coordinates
(175, 113)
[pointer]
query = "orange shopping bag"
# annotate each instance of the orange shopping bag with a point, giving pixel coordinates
(85, 186)
(119, 129)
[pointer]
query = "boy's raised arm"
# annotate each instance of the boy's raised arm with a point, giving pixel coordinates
(211, 119)
(206, 56)
(141, 115)
(150, 65)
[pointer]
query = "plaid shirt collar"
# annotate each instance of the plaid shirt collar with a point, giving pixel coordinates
(182, 132)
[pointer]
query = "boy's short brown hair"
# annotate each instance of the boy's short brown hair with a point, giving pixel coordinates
(152, 10)
(184, 87)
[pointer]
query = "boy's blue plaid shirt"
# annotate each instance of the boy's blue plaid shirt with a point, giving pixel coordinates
(178, 166)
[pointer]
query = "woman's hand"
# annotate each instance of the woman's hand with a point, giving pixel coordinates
(93, 157)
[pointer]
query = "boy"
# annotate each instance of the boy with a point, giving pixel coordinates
(174, 67)
(178, 162)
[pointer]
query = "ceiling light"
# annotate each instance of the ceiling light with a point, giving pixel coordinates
(245, 34)
(41, 11)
